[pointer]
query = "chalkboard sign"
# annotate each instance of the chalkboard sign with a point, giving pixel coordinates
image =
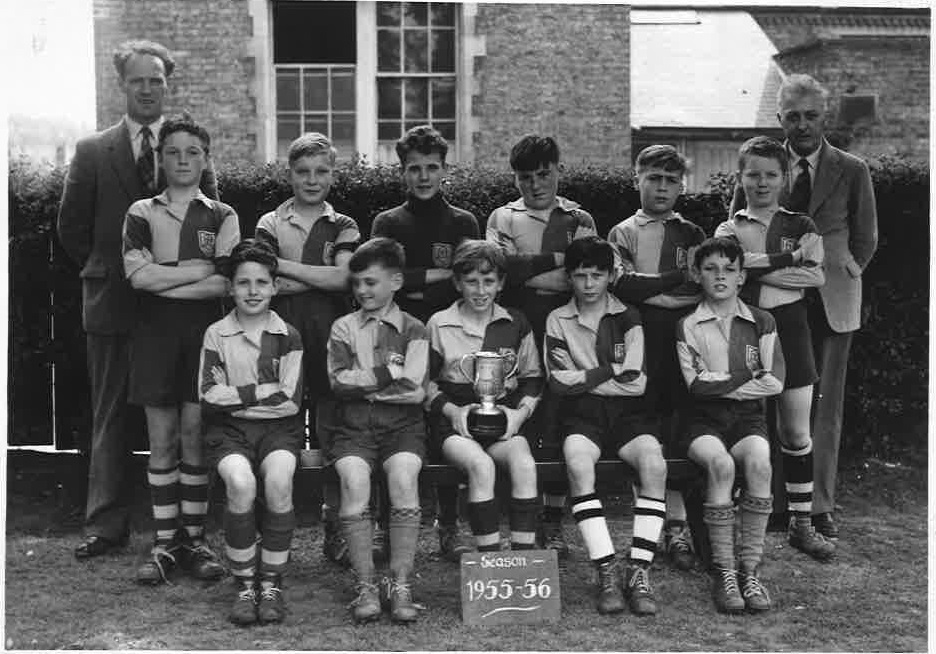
(510, 587)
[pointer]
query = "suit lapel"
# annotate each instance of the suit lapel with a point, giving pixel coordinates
(828, 171)
(121, 160)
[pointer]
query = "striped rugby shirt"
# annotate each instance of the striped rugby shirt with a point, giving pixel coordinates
(450, 338)
(738, 357)
(773, 279)
(655, 257)
(262, 378)
(360, 346)
(530, 238)
(617, 338)
(313, 242)
(152, 233)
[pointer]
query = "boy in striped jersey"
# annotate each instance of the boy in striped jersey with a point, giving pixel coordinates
(655, 245)
(731, 360)
(251, 390)
(172, 246)
(595, 363)
(783, 255)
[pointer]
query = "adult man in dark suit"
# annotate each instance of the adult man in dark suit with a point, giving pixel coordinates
(833, 188)
(111, 170)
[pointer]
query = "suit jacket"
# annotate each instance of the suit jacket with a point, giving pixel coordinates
(101, 184)
(843, 207)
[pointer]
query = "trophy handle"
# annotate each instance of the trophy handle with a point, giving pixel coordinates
(461, 366)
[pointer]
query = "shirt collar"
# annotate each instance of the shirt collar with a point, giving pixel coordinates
(287, 211)
(705, 312)
(812, 158)
(746, 214)
(562, 203)
(134, 127)
(570, 309)
(451, 316)
(163, 198)
(231, 326)
(392, 315)
(643, 219)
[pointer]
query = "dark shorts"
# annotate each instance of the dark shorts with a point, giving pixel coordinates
(254, 439)
(441, 428)
(666, 394)
(165, 348)
(796, 341)
(375, 431)
(610, 422)
(729, 420)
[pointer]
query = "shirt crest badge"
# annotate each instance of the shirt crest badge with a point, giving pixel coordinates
(682, 258)
(619, 352)
(395, 359)
(752, 358)
(787, 244)
(206, 242)
(328, 250)
(442, 255)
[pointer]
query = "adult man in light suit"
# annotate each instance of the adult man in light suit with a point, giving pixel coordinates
(111, 170)
(837, 194)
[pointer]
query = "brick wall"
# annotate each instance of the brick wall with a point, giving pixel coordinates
(213, 73)
(561, 70)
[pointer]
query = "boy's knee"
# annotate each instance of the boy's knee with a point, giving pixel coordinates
(757, 469)
(481, 472)
(277, 490)
(721, 469)
(652, 467)
(241, 487)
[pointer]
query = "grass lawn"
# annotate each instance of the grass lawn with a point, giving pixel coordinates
(872, 597)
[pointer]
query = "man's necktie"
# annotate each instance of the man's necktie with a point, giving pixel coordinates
(802, 189)
(146, 162)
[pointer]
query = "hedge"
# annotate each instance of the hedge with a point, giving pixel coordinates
(886, 395)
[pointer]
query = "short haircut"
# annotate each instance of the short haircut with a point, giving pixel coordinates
(662, 156)
(127, 49)
(481, 256)
(763, 146)
(532, 152)
(422, 139)
(382, 251)
(727, 246)
(311, 144)
(799, 85)
(588, 252)
(183, 123)
(251, 250)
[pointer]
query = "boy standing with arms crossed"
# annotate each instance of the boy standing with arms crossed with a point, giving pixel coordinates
(429, 229)
(731, 359)
(251, 390)
(655, 245)
(172, 245)
(595, 363)
(378, 362)
(534, 231)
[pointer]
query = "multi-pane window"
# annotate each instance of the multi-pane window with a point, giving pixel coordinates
(314, 54)
(416, 82)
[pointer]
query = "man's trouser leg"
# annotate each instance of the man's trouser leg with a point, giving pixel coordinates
(828, 407)
(107, 509)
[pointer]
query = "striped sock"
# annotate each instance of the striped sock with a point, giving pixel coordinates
(240, 543)
(523, 514)
(164, 494)
(485, 525)
(649, 514)
(404, 534)
(589, 516)
(720, 518)
(277, 532)
(754, 512)
(798, 466)
(193, 481)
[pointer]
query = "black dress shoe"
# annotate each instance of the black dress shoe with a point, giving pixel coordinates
(825, 525)
(98, 545)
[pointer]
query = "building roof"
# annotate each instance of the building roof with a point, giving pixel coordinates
(699, 68)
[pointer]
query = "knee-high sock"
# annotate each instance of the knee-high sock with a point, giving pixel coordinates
(448, 504)
(404, 533)
(240, 543)
(193, 486)
(164, 494)
(589, 516)
(523, 516)
(554, 500)
(649, 513)
(720, 519)
(277, 531)
(754, 513)
(359, 533)
(798, 466)
(485, 524)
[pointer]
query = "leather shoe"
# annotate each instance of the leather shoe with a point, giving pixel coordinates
(98, 545)
(825, 525)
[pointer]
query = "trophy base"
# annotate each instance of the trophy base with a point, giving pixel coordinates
(487, 427)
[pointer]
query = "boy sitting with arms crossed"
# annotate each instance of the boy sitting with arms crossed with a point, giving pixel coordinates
(783, 256)
(251, 390)
(655, 245)
(429, 229)
(313, 243)
(378, 361)
(595, 362)
(731, 359)
(172, 244)
(473, 324)
(534, 232)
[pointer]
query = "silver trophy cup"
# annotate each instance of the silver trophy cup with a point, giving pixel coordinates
(487, 423)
